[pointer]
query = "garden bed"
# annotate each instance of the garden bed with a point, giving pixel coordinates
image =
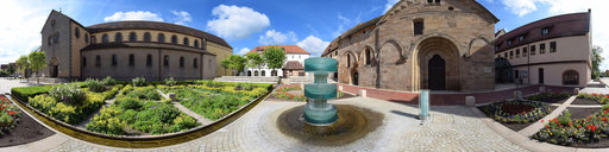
(548, 97)
(581, 113)
(584, 101)
(17, 128)
(517, 115)
(214, 100)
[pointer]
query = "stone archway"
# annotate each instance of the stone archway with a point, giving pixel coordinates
(256, 73)
(274, 73)
(249, 73)
(53, 67)
(438, 64)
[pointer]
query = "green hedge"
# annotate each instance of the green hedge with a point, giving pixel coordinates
(24, 93)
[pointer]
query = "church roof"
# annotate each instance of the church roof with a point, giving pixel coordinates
(293, 65)
(288, 49)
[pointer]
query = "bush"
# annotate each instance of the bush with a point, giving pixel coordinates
(139, 81)
(9, 115)
(106, 121)
(129, 103)
(70, 94)
(108, 81)
(94, 85)
(170, 81)
(24, 93)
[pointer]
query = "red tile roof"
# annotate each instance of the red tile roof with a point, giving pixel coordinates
(289, 49)
(293, 65)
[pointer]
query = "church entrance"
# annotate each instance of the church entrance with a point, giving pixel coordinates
(54, 71)
(437, 73)
(355, 78)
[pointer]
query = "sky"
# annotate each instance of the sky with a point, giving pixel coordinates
(245, 24)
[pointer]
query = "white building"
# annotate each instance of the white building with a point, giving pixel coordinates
(292, 66)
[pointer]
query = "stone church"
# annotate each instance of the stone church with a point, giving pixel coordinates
(420, 44)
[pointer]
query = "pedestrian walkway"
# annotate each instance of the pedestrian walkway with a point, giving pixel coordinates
(202, 120)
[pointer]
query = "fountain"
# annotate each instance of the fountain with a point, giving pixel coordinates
(318, 112)
(323, 124)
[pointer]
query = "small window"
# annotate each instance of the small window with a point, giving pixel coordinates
(186, 41)
(505, 55)
(429, 1)
(149, 60)
(86, 38)
(84, 61)
(131, 60)
(161, 38)
(533, 49)
(166, 61)
(105, 38)
(50, 40)
(118, 37)
(542, 48)
(114, 60)
(77, 32)
(511, 54)
(552, 47)
(132, 37)
(418, 27)
(196, 43)
(93, 40)
(147, 37)
(195, 63)
(348, 60)
(181, 62)
(524, 52)
(437, 1)
(97, 61)
(545, 31)
(521, 38)
(517, 53)
(174, 39)
(56, 38)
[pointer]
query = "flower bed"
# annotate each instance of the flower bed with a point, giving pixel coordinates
(517, 111)
(599, 98)
(9, 115)
(550, 97)
(71, 104)
(214, 100)
(578, 133)
(283, 93)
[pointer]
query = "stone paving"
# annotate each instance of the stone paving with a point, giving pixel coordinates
(6, 84)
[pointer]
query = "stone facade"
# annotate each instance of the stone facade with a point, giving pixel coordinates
(385, 52)
(73, 50)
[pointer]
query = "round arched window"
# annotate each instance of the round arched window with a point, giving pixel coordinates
(570, 77)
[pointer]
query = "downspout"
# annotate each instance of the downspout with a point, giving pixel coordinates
(378, 59)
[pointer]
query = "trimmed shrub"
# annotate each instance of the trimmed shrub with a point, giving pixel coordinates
(108, 81)
(24, 93)
(170, 82)
(129, 103)
(94, 85)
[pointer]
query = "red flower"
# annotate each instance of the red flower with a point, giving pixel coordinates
(579, 126)
(541, 120)
(570, 124)
(547, 126)
(11, 113)
(604, 119)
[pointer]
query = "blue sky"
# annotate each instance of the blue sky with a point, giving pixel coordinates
(245, 24)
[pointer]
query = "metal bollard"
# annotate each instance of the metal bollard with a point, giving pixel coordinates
(424, 104)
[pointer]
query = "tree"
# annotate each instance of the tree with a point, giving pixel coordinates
(597, 59)
(234, 62)
(37, 62)
(273, 57)
(22, 66)
(254, 60)
(11, 69)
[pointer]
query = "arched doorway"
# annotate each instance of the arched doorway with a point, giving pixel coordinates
(274, 73)
(255, 73)
(438, 60)
(249, 73)
(437, 73)
(263, 73)
(355, 78)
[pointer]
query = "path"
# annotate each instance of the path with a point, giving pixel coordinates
(200, 119)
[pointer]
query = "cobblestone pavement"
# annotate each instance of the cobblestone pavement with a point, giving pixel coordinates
(6, 84)
(453, 128)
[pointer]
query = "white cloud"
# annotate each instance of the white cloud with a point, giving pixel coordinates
(234, 22)
(390, 4)
(22, 22)
(243, 51)
(314, 45)
(521, 7)
(274, 37)
(133, 15)
(182, 17)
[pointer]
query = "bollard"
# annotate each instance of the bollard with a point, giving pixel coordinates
(470, 101)
(517, 95)
(424, 104)
(362, 93)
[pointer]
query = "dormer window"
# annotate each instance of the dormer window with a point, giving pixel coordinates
(545, 31)
(521, 38)
(509, 42)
